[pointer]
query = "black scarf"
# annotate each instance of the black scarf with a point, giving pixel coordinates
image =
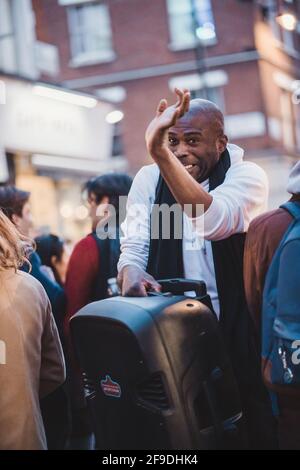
(166, 261)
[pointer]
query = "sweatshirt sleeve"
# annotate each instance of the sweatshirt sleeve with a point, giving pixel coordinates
(135, 236)
(241, 197)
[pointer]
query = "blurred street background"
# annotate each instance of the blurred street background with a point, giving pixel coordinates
(80, 80)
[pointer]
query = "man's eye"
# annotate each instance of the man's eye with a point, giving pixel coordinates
(192, 141)
(172, 141)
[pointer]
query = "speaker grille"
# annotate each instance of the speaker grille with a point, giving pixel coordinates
(152, 392)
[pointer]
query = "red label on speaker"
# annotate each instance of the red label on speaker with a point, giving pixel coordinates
(110, 388)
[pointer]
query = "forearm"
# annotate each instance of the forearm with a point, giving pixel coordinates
(134, 251)
(182, 185)
(134, 245)
(135, 230)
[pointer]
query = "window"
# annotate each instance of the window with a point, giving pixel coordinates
(117, 144)
(17, 38)
(212, 94)
(274, 26)
(288, 40)
(90, 33)
(114, 94)
(287, 120)
(8, 59)
(208, 85)
(191, 22)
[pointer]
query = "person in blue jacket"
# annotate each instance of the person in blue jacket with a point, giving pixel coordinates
(54, 291)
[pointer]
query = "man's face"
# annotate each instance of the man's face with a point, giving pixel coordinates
(97, 210)
(25, 223)
(198, 143)
(92, 201)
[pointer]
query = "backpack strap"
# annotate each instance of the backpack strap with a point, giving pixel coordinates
(269, 314)
(293, 207)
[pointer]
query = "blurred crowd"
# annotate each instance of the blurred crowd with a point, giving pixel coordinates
(70, 281)
(252, 281)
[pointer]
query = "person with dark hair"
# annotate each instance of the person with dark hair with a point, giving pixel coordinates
(92, 263)
(110, 186)
(15, 205)
(85, 280)
(54, 255)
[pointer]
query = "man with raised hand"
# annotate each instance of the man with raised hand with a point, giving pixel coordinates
(195, 167)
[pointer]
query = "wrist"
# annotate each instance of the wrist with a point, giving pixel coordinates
(156, 141)
(159, 152)
(129, 268)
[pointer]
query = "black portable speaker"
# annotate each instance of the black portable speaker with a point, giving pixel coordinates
(156, 372)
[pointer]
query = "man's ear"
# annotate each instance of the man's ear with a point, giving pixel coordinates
(103, 204)
(222, 143)
(105, 200)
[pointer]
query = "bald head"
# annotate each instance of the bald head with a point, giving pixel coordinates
(205, 109)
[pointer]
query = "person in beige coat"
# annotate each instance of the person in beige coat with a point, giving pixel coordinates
(31, 358)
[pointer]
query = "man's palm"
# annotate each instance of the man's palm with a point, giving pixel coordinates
(166, 117)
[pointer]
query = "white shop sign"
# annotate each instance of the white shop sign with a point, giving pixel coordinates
(37, 124)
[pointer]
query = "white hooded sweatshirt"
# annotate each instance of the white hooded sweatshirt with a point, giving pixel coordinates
(242, 196)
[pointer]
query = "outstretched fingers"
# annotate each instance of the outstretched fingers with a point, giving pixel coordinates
(186, 101)
(179, 94)
(183, 102)
(162, 106)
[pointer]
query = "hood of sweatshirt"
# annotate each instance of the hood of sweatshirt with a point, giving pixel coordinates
(293, 186)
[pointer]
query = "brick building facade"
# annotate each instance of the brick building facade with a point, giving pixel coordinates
(131, 53)
(145, 59)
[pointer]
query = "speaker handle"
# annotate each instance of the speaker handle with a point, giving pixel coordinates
(178, 286)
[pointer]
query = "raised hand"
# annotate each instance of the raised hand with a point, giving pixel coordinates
(166, 117)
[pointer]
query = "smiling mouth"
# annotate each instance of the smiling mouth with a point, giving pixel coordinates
(189, 167)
